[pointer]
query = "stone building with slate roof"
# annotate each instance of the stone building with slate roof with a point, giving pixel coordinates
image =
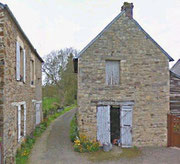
(20, 86)
(123, 85)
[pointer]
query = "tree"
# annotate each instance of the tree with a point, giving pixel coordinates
(60, 79)
(69, 82)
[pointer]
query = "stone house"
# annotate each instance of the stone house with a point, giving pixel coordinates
(175, 89)
(20, 86)
(123, 85)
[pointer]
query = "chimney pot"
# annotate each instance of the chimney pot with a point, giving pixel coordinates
(128, 8)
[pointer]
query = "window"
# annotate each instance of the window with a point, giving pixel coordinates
(20, 63)
(32, 72)
(21, 121)
(112, 72)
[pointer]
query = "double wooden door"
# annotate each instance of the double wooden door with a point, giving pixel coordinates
(103, 125)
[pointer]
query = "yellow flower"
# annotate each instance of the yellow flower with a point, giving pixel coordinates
(77, 142)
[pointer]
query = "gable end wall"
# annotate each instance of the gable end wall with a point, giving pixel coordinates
(144, 79)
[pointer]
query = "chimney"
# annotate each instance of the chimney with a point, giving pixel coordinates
(128, 8)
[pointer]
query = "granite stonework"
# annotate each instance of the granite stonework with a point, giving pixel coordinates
(13, 91)
(144, 80)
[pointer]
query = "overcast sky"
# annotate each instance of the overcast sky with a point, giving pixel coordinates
(56, 24)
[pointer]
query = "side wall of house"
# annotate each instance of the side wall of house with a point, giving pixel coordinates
(16, 91)
(144, 79)
(2, 54)
(174, 94)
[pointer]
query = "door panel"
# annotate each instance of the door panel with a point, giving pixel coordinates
(103, 124)
(126, 126)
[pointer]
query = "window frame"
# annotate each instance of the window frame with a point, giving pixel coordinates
(20, 63)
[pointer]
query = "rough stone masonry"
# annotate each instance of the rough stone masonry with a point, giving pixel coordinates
(13, 91)
(144, 79)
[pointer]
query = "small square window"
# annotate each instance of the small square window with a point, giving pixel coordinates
(112, 72)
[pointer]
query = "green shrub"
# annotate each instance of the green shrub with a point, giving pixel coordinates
(74, 129)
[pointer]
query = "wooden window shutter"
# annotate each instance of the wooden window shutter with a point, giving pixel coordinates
(24, 57)
(17, 61)
(38, 114)
(24, 119)
(112, 72)
(19, 123)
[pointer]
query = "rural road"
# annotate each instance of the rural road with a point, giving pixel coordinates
(54, 147)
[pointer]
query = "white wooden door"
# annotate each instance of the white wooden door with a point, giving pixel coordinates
(38, 114)
(103, 124)
(126, 126)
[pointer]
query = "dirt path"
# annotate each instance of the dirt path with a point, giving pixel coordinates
(54, 147)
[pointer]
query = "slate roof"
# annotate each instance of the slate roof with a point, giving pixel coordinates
(176, 68)
(4, 6)
(109, 25)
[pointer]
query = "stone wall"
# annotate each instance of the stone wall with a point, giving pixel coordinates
(16, 91)
(144, 79)
(2, 53)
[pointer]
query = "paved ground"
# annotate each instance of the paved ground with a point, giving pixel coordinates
(54, 147)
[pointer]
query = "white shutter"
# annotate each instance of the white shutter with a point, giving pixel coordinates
(126, 126)
(38, 114)
(24, 57)
(19, 123)
(24, 119)
(112, 72)
(103, 124)
(17, 61)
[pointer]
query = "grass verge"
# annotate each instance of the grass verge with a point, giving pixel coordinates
(26, 147)
(115, 154)
(74, 129)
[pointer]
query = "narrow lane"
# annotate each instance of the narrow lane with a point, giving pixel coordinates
(54, 146)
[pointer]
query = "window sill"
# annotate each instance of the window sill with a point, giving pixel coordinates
(113, 86)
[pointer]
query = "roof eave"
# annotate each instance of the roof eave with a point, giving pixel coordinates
(21, 30)
(176, 75)
(149, 37)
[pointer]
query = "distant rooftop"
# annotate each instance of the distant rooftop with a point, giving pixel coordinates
(176, 68)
